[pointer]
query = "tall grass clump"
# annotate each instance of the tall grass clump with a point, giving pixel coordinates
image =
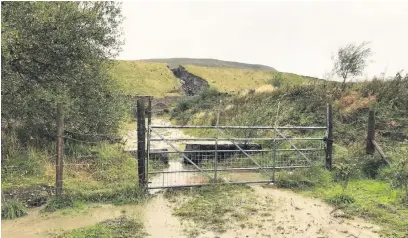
(316, 176)
(120, 227)
(12, 209)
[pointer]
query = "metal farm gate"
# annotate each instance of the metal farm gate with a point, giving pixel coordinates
(174, 159)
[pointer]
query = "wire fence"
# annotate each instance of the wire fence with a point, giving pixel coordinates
(91, 170)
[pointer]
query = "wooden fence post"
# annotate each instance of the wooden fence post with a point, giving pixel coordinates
(60, 150)
(370, 149)
(149, 111)
(141, 142)
(329, 139)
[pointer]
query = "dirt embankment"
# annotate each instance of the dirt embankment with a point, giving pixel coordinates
(190, 83)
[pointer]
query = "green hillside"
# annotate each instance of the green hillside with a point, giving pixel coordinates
(175, 62)
(154, 78)
(145, 78)
(236, 80)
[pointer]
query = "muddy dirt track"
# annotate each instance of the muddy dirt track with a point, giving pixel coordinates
(288, 215)
(282, 214)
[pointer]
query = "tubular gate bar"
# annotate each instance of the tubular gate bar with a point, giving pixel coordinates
(245, 127)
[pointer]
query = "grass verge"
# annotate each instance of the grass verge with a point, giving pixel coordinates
(75, 199)
(121, 227)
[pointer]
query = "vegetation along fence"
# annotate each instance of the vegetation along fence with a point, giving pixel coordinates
(88, 166)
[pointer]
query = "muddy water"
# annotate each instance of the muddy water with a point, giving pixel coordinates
(38, 224)
(167, 179)
(157, 217)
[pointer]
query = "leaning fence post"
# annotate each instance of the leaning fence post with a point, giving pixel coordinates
(60, 150)
(329, 139)
(370, 149)
(141, 142)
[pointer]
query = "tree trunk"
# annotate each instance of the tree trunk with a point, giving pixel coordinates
(343, 85)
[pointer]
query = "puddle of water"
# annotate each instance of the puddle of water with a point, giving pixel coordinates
(38, 224)
(177, 178)
(159, 219)
(156, 215)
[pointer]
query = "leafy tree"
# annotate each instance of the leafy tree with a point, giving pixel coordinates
(351, 61)
(59, 52)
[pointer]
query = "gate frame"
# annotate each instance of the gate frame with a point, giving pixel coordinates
(144, 155)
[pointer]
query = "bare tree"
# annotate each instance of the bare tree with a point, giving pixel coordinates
(351, 61)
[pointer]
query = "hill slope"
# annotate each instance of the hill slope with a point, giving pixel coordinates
(175, 62)
(153, 77)
(236, 80)
(145, 78)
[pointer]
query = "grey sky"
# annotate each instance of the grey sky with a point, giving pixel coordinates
(291, 36)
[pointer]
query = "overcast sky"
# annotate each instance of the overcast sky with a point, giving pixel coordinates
(291, 36)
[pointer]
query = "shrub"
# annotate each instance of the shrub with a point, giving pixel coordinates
(64, 201)
(340, 199)
(277, 80)
(24, 163)
(400, 177)
(370, 166)
(344, 170)
(12, 209)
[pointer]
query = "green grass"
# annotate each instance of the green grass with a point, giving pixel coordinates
(304, 178)
(236, 80)
(145, 78)
(76, 199)
(121, 227)
(340, 199)
(12, 209)
(111, 177)
(154, 78)
(213, 207)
